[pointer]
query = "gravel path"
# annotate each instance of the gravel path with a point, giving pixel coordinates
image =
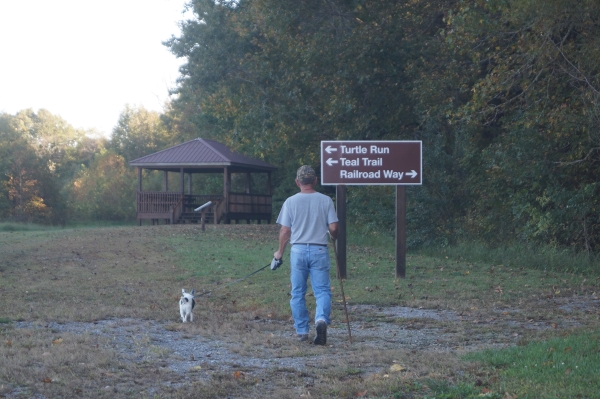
(377, 327)
(138, 340)
(141, 340)
(192, 353)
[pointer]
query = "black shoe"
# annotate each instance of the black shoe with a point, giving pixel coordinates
(321, 338)
(302, 337)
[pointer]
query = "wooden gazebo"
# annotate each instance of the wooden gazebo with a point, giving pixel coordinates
(202, 156)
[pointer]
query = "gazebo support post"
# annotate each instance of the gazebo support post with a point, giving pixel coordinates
(226, 185)
(166, 188)
(181, 181)
(181, 186)
(139, 190)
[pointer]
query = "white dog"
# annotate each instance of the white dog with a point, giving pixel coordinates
(186, 305)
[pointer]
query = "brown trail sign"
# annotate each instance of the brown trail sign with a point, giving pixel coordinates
(396, 163)
(371, 162)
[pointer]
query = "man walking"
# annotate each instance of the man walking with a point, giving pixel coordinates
(306, 218)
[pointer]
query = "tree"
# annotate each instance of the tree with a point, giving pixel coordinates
(39, 154)
(532, 117)
(503, 93)
(139, 132)
(23, 177)
(105, 190)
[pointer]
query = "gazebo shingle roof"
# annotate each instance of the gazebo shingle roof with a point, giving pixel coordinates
(200, 154)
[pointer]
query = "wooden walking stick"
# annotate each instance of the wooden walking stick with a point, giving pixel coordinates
(337, 265)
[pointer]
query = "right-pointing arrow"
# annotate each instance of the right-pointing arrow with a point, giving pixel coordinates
(412, 174)
(330, 161)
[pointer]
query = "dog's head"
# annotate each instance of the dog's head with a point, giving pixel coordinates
(187, 297)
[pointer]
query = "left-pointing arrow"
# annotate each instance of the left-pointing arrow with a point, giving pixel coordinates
(330, 161)
(330, 149)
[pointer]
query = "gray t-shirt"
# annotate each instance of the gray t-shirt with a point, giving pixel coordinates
(309, 217)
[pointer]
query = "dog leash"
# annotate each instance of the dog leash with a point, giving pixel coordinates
(235, 281)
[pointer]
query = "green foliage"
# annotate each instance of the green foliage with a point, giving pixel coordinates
(53, 172)
(39, 154)
(23, 173)
(503, 94)
(139, 132)
(531, 116)
(273, 78)
(371, 210)
(105, 190)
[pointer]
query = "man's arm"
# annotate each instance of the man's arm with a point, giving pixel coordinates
(285, 233)
(333, 230)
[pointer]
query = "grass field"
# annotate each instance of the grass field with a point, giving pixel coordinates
(504, 330)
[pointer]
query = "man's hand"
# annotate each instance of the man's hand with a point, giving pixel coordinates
(334, 229)
(331, 238)
(275, 263)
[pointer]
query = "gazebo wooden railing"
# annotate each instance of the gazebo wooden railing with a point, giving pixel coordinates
(176, 207)
(171, 206)
(249, 203)
(177, 211)
(156, 204)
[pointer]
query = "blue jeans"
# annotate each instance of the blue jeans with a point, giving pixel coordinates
(313, 261)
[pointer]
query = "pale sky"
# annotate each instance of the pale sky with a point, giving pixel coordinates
(85, 60)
